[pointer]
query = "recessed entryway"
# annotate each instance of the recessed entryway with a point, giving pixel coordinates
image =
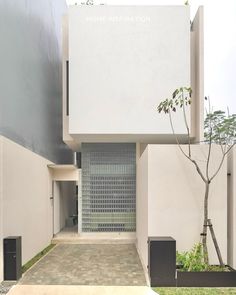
(65, 183)
(65, 207)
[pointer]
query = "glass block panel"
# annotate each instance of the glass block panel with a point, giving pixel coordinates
(108, 187)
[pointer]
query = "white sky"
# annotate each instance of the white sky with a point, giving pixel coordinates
(220, 45)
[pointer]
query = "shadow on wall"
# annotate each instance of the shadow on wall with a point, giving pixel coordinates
(31, 78)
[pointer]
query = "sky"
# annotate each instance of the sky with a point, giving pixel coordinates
(219, 45)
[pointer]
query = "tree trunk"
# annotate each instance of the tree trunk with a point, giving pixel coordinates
(205, 220)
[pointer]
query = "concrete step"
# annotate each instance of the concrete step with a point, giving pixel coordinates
(102, 238)
(92, 241)
(82, 290)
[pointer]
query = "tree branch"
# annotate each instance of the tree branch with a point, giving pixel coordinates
(198, 170)
(176, 138)
(209, 148)
(230, 148)
(186, 125)
(208, 159)
(179, 146)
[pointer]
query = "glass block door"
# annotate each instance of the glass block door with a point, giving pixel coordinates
(108, 187)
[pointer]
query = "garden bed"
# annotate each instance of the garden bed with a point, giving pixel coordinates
(206, 278)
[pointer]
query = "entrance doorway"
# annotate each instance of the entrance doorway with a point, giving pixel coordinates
(65, 181)
(65, 207)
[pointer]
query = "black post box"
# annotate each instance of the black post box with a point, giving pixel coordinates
(12, 258)
(162, 261)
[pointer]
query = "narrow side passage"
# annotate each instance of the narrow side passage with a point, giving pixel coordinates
(73, 264)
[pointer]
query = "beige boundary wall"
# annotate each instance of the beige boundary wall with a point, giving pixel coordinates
(170, 199)
(25, 205)
(232, 208)
(26, 191)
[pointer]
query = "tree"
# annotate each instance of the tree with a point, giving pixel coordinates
(220, 129)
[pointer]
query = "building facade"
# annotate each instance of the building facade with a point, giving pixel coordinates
(118, 63)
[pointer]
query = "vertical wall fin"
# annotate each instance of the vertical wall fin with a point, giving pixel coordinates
(197, 75)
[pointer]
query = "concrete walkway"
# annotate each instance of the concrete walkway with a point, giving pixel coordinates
(94, 265)
(81, 290)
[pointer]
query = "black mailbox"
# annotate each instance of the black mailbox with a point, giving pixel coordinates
(162, 261)
(12, 258)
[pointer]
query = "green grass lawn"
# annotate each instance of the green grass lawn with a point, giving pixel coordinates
(195, 291)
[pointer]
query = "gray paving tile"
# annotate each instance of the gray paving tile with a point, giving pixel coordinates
(110, 265)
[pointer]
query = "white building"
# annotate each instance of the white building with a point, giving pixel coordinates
(118, 63)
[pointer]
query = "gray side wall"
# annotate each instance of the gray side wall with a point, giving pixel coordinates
(30, 76)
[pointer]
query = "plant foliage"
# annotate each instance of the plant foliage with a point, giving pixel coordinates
(193, 260)
(220, 128)
(181, 97)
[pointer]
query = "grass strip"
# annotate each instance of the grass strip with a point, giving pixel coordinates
(195, 291)
(36, 258)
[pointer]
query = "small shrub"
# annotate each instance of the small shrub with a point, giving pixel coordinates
(193, 260)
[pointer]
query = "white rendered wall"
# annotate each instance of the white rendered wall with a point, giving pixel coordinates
(123, 61)
(26, 198)
(25, 205)
(174, 197)
(142, 207)
(232, 208)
